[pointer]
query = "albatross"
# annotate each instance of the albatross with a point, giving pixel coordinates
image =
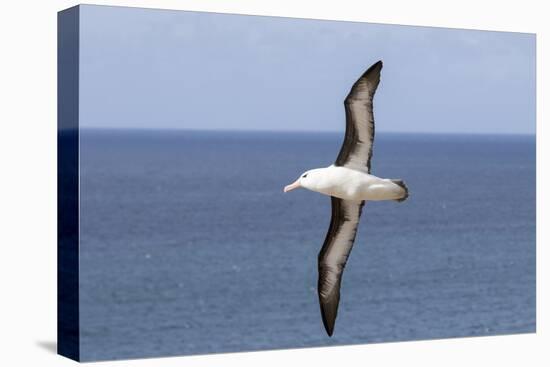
(349, 183)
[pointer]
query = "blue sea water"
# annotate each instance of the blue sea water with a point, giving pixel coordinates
(188, 244)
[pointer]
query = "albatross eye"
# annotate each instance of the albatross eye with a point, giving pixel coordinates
(304, 176)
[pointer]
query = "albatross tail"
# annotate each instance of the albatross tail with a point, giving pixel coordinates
(402, 184)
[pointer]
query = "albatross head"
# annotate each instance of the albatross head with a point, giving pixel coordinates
(308, 180)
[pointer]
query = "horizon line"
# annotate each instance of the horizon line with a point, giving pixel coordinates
(238, 130)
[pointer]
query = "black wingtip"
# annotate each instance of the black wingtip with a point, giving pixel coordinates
(377, 66)
(328, 324)
(329, 310)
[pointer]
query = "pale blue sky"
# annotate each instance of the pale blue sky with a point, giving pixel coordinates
(148, 68)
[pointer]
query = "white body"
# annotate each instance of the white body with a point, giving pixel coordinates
(350, 184)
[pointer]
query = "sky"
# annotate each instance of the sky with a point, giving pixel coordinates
(145, 68)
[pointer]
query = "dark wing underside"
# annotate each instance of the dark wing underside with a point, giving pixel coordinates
(334, 254)
(356, 150)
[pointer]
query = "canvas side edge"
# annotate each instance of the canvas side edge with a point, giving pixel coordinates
(68, 325)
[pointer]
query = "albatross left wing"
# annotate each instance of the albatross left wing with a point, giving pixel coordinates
(334, 254)
(356, 150)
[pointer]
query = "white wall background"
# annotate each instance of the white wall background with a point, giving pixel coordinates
(28, 181)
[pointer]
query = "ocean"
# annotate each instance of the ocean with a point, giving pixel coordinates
(189, 246)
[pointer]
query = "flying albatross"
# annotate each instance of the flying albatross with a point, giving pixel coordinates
(349, 184)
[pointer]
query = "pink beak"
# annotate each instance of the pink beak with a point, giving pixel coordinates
(292, 186)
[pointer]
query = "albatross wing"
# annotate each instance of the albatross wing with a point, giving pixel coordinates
(334, 254)
(356, 150)
(355, 153)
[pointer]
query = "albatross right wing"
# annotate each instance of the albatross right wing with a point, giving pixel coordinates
(334, 254)
(356, 150)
